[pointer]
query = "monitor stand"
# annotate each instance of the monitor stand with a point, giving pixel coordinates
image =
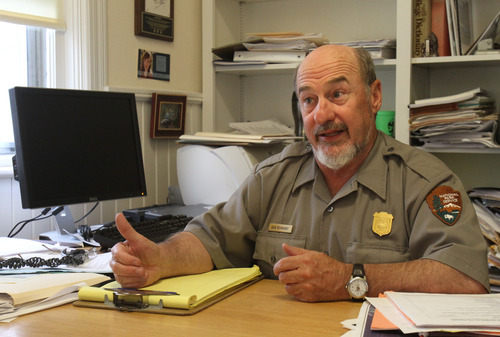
(65, 224)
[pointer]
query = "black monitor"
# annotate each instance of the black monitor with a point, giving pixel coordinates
(76, 146)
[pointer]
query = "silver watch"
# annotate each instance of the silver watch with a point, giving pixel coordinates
(357, 285)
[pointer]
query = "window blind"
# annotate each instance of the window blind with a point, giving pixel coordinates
(46, 13)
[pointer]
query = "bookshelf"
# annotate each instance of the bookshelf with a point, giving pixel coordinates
(240, 93)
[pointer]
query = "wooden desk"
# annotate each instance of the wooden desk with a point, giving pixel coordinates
(263, 309)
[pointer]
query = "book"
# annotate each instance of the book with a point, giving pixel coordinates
(193, 292)
(421, 25)
(439, 23)
(464, 25)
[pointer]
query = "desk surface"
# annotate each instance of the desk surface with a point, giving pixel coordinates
(263, 309)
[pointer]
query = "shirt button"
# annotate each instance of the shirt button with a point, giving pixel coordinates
(273, 259)
(326, 253)
(329, 209)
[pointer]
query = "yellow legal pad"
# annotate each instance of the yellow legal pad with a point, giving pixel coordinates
(196, 292)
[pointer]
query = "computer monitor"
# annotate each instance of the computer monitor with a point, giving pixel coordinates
(75, 146)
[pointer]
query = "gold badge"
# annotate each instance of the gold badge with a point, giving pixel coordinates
(382, 223)
(280, 228)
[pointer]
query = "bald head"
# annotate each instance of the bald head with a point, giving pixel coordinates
(345, 58)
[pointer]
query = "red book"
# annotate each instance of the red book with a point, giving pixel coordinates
(439, 27)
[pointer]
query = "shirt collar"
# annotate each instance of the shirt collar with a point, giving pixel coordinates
(372, 174)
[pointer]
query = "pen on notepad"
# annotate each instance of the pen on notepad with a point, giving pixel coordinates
(141, 292)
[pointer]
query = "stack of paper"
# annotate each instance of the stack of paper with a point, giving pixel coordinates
(261, 132)
(262, 48)
(425, 314)
(464, 120)
(379, 49)
(486, 202)
(21, 294)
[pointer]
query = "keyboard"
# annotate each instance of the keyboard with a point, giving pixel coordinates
(156, 230)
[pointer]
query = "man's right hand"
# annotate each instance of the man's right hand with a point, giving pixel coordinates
(135, 262)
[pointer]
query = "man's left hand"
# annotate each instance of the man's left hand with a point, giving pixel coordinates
(312, 276)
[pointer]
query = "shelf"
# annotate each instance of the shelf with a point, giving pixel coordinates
(282, 68)
(457, 61)
(458, 150)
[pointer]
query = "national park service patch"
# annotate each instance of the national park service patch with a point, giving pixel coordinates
(445, 204)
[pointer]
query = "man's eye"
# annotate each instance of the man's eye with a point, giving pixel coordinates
(337, 94)
(307, 100)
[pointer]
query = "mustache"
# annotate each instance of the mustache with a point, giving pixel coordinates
(329, 126)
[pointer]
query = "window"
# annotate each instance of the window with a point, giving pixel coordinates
(26, 61)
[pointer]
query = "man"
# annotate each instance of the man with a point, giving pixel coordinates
(350, 214)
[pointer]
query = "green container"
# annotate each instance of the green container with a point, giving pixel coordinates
(385, 122)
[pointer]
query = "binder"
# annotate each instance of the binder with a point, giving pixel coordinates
(189, 294)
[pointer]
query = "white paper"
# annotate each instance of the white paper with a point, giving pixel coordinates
(449, 310)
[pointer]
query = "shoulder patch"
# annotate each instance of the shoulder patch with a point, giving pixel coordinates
(445, 203)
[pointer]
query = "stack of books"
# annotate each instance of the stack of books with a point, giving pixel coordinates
(486, 202)
(465, 120)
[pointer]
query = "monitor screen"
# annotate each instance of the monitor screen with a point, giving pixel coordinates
(76, 146)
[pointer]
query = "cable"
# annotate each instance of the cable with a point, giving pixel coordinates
(91, 210)
(44, 212)
(38, 217)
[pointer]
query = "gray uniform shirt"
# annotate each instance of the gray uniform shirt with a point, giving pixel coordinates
(403, 204)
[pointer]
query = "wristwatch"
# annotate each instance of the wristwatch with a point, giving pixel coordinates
(357, 285)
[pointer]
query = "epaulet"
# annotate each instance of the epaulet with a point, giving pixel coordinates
(294, 150)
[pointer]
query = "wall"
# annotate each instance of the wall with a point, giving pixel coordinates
(159, 154)
(185, 50)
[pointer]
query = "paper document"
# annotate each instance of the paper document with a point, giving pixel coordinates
(19, 289)
(269, 127)
(449, 310)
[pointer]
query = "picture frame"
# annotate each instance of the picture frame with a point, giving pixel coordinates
(153, 65)
(154, 19)
(168, 116)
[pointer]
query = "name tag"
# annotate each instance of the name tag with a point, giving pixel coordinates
(280, 228)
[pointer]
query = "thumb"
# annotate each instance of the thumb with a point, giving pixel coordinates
(125, 229)
(292, 251)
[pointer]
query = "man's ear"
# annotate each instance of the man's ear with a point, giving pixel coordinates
(376, 96)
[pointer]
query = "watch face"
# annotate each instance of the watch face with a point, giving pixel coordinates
(358, 287)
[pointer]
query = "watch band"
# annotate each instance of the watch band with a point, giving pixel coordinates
(358, 270)
(357, 287)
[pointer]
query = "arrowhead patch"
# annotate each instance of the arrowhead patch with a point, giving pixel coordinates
(445, 203)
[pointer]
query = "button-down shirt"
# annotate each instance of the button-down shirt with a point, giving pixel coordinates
(380, 215)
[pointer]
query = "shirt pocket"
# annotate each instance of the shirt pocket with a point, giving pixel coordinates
(374, 253)
(268, 249)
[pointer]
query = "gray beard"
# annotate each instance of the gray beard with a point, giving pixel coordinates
(337, 161)
(343, 157)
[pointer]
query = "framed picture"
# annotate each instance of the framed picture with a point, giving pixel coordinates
(153, 65)
(168, 115)
(155, 19)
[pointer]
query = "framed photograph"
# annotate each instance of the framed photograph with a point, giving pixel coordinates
(155, 19)
(153, 65)
(168, 115)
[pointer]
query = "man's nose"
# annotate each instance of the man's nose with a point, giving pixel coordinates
(324, 111)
